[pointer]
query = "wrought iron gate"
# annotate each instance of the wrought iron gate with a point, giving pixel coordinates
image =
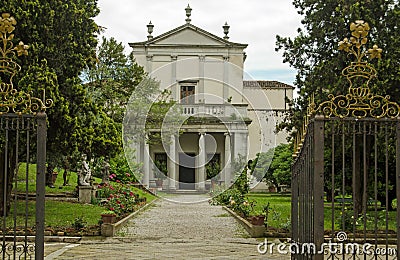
(346, 171)
(22, 145)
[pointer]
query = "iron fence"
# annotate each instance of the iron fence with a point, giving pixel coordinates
(345, 190)
(21, 136)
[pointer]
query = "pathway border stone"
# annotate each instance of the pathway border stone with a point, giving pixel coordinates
(110, 230)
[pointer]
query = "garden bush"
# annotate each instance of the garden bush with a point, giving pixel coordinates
(235, 197)
(120, 170)
(119, 198)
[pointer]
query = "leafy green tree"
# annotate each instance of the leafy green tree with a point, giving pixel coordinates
(314, 51)
(274, 166)
(112, 78)
(62, 38)
(314, 54)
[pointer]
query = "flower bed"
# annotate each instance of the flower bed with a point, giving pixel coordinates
(119, 198)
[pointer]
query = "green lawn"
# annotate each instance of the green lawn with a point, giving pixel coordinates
(58, 213)
(58, 185)
(370, 219)
(279, 214)
(280, 211)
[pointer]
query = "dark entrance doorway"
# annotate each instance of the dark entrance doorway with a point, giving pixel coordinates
(187, 171)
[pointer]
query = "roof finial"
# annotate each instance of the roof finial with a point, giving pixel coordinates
(188, 14)
(226, 30)
(150, 27)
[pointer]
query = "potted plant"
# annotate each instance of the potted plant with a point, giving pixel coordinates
(258, 219)
(160, 172)
(108, 217)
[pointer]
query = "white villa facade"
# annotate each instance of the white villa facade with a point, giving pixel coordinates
(228, 117)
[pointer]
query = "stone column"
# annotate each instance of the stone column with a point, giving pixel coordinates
(201, 162)
(172, 163)
(227, 174)
(146, 165)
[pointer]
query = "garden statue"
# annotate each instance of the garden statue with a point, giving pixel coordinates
(105, 171)
(66, 167)
(84, 173)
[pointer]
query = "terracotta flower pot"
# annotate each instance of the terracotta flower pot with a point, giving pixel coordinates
(257, 220)
(108, 218)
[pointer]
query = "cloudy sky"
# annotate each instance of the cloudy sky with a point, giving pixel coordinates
(254, 22)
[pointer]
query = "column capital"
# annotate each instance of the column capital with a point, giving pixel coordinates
(227, 134)
(202, 58)
(149, 57)
(174, 57)
(202, 133)
(226, 57)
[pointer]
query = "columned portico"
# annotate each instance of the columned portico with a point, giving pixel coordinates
(189, 153)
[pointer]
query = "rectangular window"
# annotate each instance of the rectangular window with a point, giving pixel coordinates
(187, 94)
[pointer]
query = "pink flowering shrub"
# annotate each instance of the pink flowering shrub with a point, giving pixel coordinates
(120, 170)
(119, 198)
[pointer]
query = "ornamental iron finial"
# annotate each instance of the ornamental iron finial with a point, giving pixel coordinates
(359, 102)
(359, 73)
(12, 100)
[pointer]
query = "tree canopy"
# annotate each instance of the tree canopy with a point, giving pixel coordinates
(62, 37)
(314, 51)
(274, 166)
(112, 78)
(315, 54)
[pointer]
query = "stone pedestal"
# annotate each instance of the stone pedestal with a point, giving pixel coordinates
(107, 230)
(85, 194)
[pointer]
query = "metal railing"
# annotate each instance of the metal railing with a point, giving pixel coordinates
(346, 170)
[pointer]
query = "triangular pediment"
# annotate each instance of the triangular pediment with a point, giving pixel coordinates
(188, 36)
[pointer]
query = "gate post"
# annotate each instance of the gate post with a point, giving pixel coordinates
(398, 184)
(318, 145)
(40, 184)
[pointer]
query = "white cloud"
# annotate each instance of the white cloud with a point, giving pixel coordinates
(255, 22)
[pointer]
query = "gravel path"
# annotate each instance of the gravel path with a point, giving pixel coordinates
(184, 220)
(175, 230)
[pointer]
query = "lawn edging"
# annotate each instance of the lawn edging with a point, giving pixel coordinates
(109, 230)
(254, 231)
